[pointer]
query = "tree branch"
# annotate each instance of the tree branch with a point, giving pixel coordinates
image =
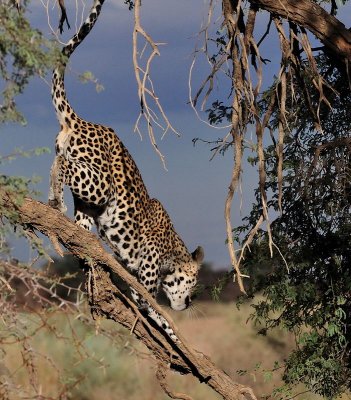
(108, 301)
(328, 29)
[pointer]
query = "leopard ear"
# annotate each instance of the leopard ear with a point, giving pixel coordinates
(198, 255)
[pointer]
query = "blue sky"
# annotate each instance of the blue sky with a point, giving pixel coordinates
(193, 190)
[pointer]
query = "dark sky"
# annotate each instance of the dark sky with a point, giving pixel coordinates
(193, 189)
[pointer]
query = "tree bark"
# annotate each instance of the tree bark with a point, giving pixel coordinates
(328, 29)
(106, 300)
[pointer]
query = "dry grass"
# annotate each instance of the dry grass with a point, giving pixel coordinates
(116, 372)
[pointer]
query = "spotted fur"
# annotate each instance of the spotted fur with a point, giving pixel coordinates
(108, 190)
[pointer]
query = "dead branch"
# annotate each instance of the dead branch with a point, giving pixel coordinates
(281, 94)
(106, 300)
(236, 132)
(145, 85)
(161, 376)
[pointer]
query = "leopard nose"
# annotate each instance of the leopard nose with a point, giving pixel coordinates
(187, 301)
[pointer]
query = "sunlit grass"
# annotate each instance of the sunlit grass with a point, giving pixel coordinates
(67, 351)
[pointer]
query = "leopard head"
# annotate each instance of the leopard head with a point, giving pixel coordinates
(180, 278)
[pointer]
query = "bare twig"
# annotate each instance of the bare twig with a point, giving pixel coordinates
(145, 85)
(161, 376)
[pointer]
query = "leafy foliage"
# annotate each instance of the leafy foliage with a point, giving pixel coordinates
(18, 187)
(87, 77)
(308, 292)
(219, 112)
(24, 53)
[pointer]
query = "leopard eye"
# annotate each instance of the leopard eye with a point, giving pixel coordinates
(167, 271)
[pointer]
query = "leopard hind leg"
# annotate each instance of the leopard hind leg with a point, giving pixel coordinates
(90, 184)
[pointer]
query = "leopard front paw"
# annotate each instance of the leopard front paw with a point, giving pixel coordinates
(58, 205)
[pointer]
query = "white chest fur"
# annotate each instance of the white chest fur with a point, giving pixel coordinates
(62, 140)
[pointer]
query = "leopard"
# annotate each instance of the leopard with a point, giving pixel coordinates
(109, 193)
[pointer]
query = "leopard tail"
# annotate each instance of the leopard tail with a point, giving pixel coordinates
(65, 113)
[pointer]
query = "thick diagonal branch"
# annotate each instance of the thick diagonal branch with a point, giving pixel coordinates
(106, 300)
(328, 29)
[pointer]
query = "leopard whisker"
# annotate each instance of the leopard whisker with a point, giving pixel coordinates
(197, 310)
(192, 312)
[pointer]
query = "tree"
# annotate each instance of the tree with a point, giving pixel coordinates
(309, 291)
(300, 260)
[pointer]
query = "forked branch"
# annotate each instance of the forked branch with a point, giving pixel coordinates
(146, 91)
(329, 30)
